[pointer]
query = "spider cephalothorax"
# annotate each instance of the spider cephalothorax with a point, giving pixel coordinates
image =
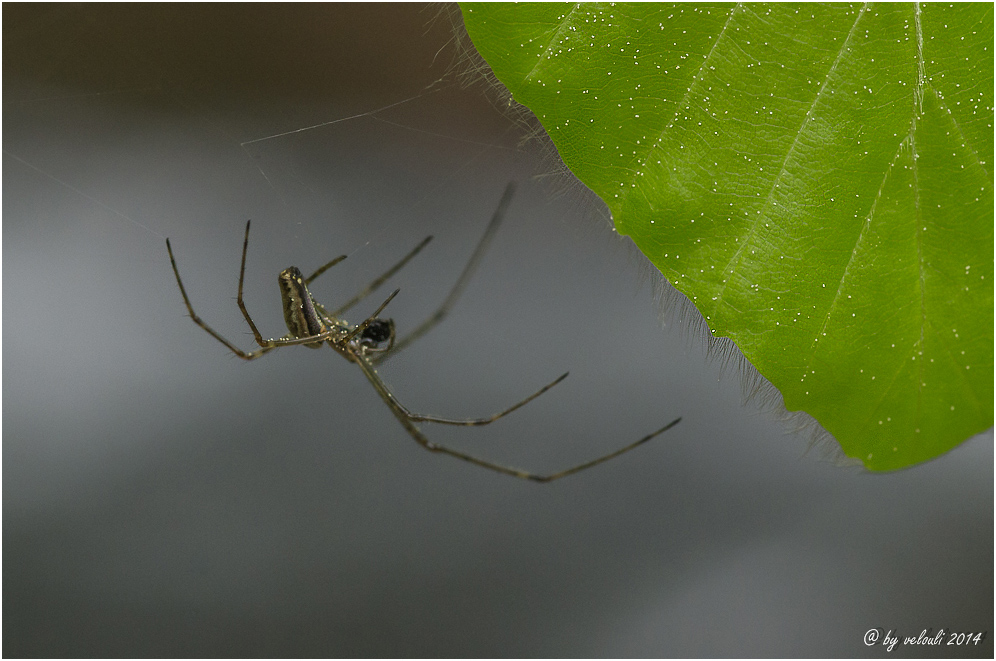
(378, 332)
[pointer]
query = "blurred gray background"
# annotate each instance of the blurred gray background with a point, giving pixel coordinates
(161, 497)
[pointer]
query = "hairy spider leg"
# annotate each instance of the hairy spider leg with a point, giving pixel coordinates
(407, 420)
(323, 269)
(477, 422)
(242, 305)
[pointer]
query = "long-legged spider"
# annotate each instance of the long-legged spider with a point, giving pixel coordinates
(311, 325)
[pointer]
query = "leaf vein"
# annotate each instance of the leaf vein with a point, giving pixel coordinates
(696, 78)
(788, 154)
(553, 39)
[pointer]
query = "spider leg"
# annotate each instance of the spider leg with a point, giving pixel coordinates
(461, 283)
(197, 320)
(323, 269)
(373, 286)
(242, 306)
(407, 421)
(477, 422)
(603, 458)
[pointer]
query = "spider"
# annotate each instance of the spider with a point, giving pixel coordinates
(372, 340)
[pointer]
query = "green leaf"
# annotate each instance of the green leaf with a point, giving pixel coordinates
(816, 179)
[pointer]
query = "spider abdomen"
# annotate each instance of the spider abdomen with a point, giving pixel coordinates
(299, 310)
